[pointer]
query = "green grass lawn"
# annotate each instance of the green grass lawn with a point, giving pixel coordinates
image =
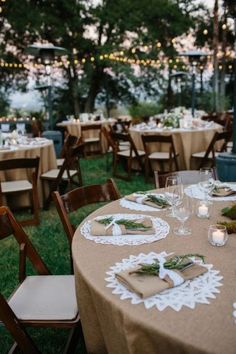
(51, 243)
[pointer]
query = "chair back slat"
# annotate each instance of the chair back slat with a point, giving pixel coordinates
(212, 148)
(80, 197)
(9, 226)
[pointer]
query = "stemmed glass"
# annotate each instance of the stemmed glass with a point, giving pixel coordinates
(206, 183)
(173, 192)
(182, 213)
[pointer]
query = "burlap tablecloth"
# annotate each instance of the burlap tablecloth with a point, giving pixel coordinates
(115, 326)
(74, 128)
(187, 142)
(47, 155)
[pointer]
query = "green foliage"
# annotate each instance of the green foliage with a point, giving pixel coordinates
(4, 104)
(230, 212)
(143, 109)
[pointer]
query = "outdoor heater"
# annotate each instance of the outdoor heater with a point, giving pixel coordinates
(194, 57)
(47, 54)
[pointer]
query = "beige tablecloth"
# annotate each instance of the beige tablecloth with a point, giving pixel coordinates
(115, 326)
(187, 142)
(47, 155)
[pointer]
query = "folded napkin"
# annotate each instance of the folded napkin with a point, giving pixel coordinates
(148, 199)
(222, 191)
(148, 285)
(142, 226)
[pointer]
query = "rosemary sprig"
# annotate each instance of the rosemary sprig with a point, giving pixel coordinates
(105, 221)
(176, 262)
(129, 224)
(160, 201)
(132, 225)
(230, 226)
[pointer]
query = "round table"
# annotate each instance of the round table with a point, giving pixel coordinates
(187, 141)
(116, 326)
(40, 147)
(74, 128)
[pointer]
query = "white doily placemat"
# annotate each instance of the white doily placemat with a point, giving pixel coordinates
(138, 206)
(194, 191)
(160, 226)
(234, 312)
(190, 293)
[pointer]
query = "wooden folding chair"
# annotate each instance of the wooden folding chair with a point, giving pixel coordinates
(187, 177)
(207, 158)
(130, 154)
(41, 300)
(91, 137)
(25, 183)
(68, 174)
(156, 155)
(70, 140)
(80, 197)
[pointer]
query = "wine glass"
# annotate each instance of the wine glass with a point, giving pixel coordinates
(173, 192)
(182, 213)
(206, 183)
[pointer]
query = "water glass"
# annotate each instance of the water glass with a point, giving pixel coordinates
(182, 212)
(206, 183)
(173, 192)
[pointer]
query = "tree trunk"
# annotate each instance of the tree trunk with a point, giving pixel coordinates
(169, 91)
(215, 58)
(94, 89)
(73, 83)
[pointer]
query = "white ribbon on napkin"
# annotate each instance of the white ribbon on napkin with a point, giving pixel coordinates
(116, 230)
(163, 272)
(140, 198)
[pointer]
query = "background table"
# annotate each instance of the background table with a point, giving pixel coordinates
(47, 155)
(187, 141)
(115, 326)
(74, 128)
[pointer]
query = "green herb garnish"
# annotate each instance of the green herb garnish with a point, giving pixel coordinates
(160, 201)
(230, 212)
(176, 262)
(129, 224)
(230, 226)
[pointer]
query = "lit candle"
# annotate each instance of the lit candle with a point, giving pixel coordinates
(218, 237)
(203, 210)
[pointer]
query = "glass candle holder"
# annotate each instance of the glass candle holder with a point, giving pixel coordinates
(203, 209)
(217, 235)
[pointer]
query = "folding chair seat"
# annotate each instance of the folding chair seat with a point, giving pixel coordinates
(41, 300)
(207, 158)
(80, 197)
(23, 179)
(129, 155)
(153, 153)
(91, 137)
(69, 174)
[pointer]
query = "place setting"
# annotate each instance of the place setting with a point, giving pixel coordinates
(145, 201)
(209, 189)
(125, 229)
(164, 280)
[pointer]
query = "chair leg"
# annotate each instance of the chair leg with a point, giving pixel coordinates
(75, 334)
(129, 165)
(146, 172)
